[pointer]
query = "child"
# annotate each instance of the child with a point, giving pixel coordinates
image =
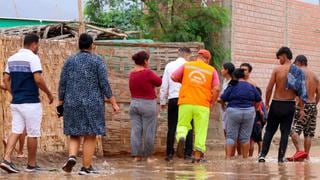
(260, 121)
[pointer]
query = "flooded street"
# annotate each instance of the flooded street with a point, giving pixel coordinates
(215, 168)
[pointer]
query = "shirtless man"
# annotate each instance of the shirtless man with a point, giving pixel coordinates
(247, 72)
(308, 125)
(282, 108)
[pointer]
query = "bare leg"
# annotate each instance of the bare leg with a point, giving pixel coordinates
(230, 150)
(239, 148)
(21, 143)
(307, 144)
(245, 149)
(233, 151)
(251, 149)
(296, 141)
(12, 141)
(74, 145)
(32, 143)
(89, 146)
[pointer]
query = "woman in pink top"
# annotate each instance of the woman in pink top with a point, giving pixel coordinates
(143, 107)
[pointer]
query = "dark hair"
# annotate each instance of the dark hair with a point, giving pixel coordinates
(302, 60)
(184, 50)
(286, 51)
(230, 67)
(30, 38)
(140, 57)
(259, 91)
(238, 73)
(85, 41)
(247, 65)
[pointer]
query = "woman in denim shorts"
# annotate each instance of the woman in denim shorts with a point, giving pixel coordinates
(241, 98)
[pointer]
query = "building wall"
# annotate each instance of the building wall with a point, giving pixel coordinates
(261, 27)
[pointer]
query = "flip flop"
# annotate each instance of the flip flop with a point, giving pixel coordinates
(298, 156)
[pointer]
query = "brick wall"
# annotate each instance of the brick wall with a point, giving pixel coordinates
(118, 59)
(261, 27)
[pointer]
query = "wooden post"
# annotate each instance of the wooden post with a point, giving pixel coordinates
(82, 28)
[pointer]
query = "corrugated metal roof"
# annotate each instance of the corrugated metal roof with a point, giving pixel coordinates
(10, 23)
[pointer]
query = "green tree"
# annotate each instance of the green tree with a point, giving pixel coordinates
(166, 20)
(185, 20)
(124, 14)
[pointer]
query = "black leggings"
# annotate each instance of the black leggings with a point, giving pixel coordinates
(280, 113)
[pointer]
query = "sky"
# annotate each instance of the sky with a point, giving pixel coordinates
(40, 9)
(312, 1)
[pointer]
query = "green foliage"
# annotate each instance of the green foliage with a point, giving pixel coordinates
(166, 20)
(125, 15)
(183, 20)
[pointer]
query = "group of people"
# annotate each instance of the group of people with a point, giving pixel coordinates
(83, 90)
(190, 87)
(296, 93)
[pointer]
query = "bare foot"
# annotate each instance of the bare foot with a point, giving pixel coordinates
(137, 159)
(151, 160)
(21, 155)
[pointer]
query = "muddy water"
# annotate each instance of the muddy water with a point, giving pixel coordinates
(215, 168)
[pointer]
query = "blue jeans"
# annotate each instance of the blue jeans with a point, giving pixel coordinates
(239, 124)
(143, 114)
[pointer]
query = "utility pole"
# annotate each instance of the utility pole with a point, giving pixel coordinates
(82, 27)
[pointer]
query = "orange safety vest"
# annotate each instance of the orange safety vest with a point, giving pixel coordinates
(196, 83)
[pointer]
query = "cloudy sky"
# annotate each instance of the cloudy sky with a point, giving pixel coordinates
(40, 9)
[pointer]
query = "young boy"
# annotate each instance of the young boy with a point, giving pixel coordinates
(260, 121)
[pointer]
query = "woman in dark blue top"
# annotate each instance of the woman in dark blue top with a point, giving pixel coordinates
(83, 88)
(241, 97)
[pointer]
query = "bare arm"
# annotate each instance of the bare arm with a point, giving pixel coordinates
(42, 85)
(270, 88)
(3, 87)
(174, 79)
(223, 104)
(114, 104)
(215, 93)
(7, 82)
(177, 76)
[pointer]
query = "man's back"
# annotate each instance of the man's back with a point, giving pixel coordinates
(281, 76)
(312, 82)
(21, 67)
(170, 89)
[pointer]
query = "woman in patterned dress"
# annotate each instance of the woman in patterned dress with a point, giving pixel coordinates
(82, 90)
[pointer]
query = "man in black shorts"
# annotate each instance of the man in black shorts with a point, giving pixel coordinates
(308, 124)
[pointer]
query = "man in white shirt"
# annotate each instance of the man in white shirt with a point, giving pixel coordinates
(170, 90)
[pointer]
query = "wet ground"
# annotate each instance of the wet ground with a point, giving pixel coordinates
(215, 168)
